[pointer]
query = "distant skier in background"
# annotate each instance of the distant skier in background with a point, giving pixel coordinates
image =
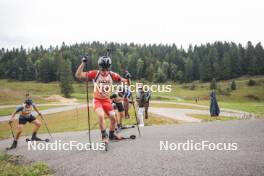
(118, 105)
(147, 99)
(141, 100)
(214, 108)
(127, 101)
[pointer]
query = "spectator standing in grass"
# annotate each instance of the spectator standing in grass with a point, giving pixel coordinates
(214, 108)
(147, 99)
(141, 100)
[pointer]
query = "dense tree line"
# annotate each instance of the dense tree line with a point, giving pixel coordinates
(219, 60)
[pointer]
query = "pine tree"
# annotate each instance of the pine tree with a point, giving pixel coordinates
(253, 66)
(205, 69)
(46, 68)
(233, 85)
(160, 77)
(220, 60)
(196, 68)
(173, 69)
(140, 65)
(249, 61)
(226, 67)
(259, 54)
(66, 78)
(150, 72)
(188, 70)
(235, 62)
(213, 84)
(213, 58)
(165, 68)
(180, 76)
(29, 72)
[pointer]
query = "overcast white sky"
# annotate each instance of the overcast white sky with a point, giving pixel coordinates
(50, 22)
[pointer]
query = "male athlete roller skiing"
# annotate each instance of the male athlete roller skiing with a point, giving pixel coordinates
(24, 117)
(103, 79)
(118, 100)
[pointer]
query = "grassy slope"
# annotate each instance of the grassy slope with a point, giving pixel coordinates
(14, 165)
(201, 90)
(9, 111)
(76, 120)
(206, 118)
(237, 99)
(13, 92)
(179, 106)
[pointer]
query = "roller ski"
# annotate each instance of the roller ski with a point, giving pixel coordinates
(28, 139)
(35, 138)
(121, 127)
(131, 137)
(115, 138)
(127, 127)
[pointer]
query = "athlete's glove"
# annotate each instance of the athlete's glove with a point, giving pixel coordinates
(113, 96)
(84, 59)
(39, 114)
(127, 75)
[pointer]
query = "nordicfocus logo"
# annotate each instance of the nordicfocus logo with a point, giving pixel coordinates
(58, 145)
(103, 87)
(190, 145)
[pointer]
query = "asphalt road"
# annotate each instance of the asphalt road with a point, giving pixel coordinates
(143, 156)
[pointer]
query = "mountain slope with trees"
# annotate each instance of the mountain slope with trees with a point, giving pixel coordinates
(158, 63)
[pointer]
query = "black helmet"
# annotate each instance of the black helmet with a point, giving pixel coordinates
(28, 102)
(104, 62)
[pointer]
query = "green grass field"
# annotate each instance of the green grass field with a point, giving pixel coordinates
(76, 120)
(207, 118)
(13, 165)
(13, 92)
(251, 106)
(245, 98)
(9, 111)
(184, 92)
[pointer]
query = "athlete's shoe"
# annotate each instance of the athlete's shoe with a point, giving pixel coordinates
(141, 125)
(118, 129)
(13, 146)
(113, 136)
(35, 138)
(105, 137)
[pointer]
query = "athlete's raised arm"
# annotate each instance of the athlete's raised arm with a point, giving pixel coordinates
(80, 74)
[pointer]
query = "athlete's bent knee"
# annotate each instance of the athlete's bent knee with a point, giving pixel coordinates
(112, 114)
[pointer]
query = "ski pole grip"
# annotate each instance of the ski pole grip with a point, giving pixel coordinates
(84, 59)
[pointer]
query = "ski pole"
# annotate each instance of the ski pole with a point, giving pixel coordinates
(11, 129)
(108, 52)
(88, 106)
(135, 110)
(77, 116)
(42, 118)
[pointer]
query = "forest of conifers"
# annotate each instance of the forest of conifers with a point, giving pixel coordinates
(158, 63)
